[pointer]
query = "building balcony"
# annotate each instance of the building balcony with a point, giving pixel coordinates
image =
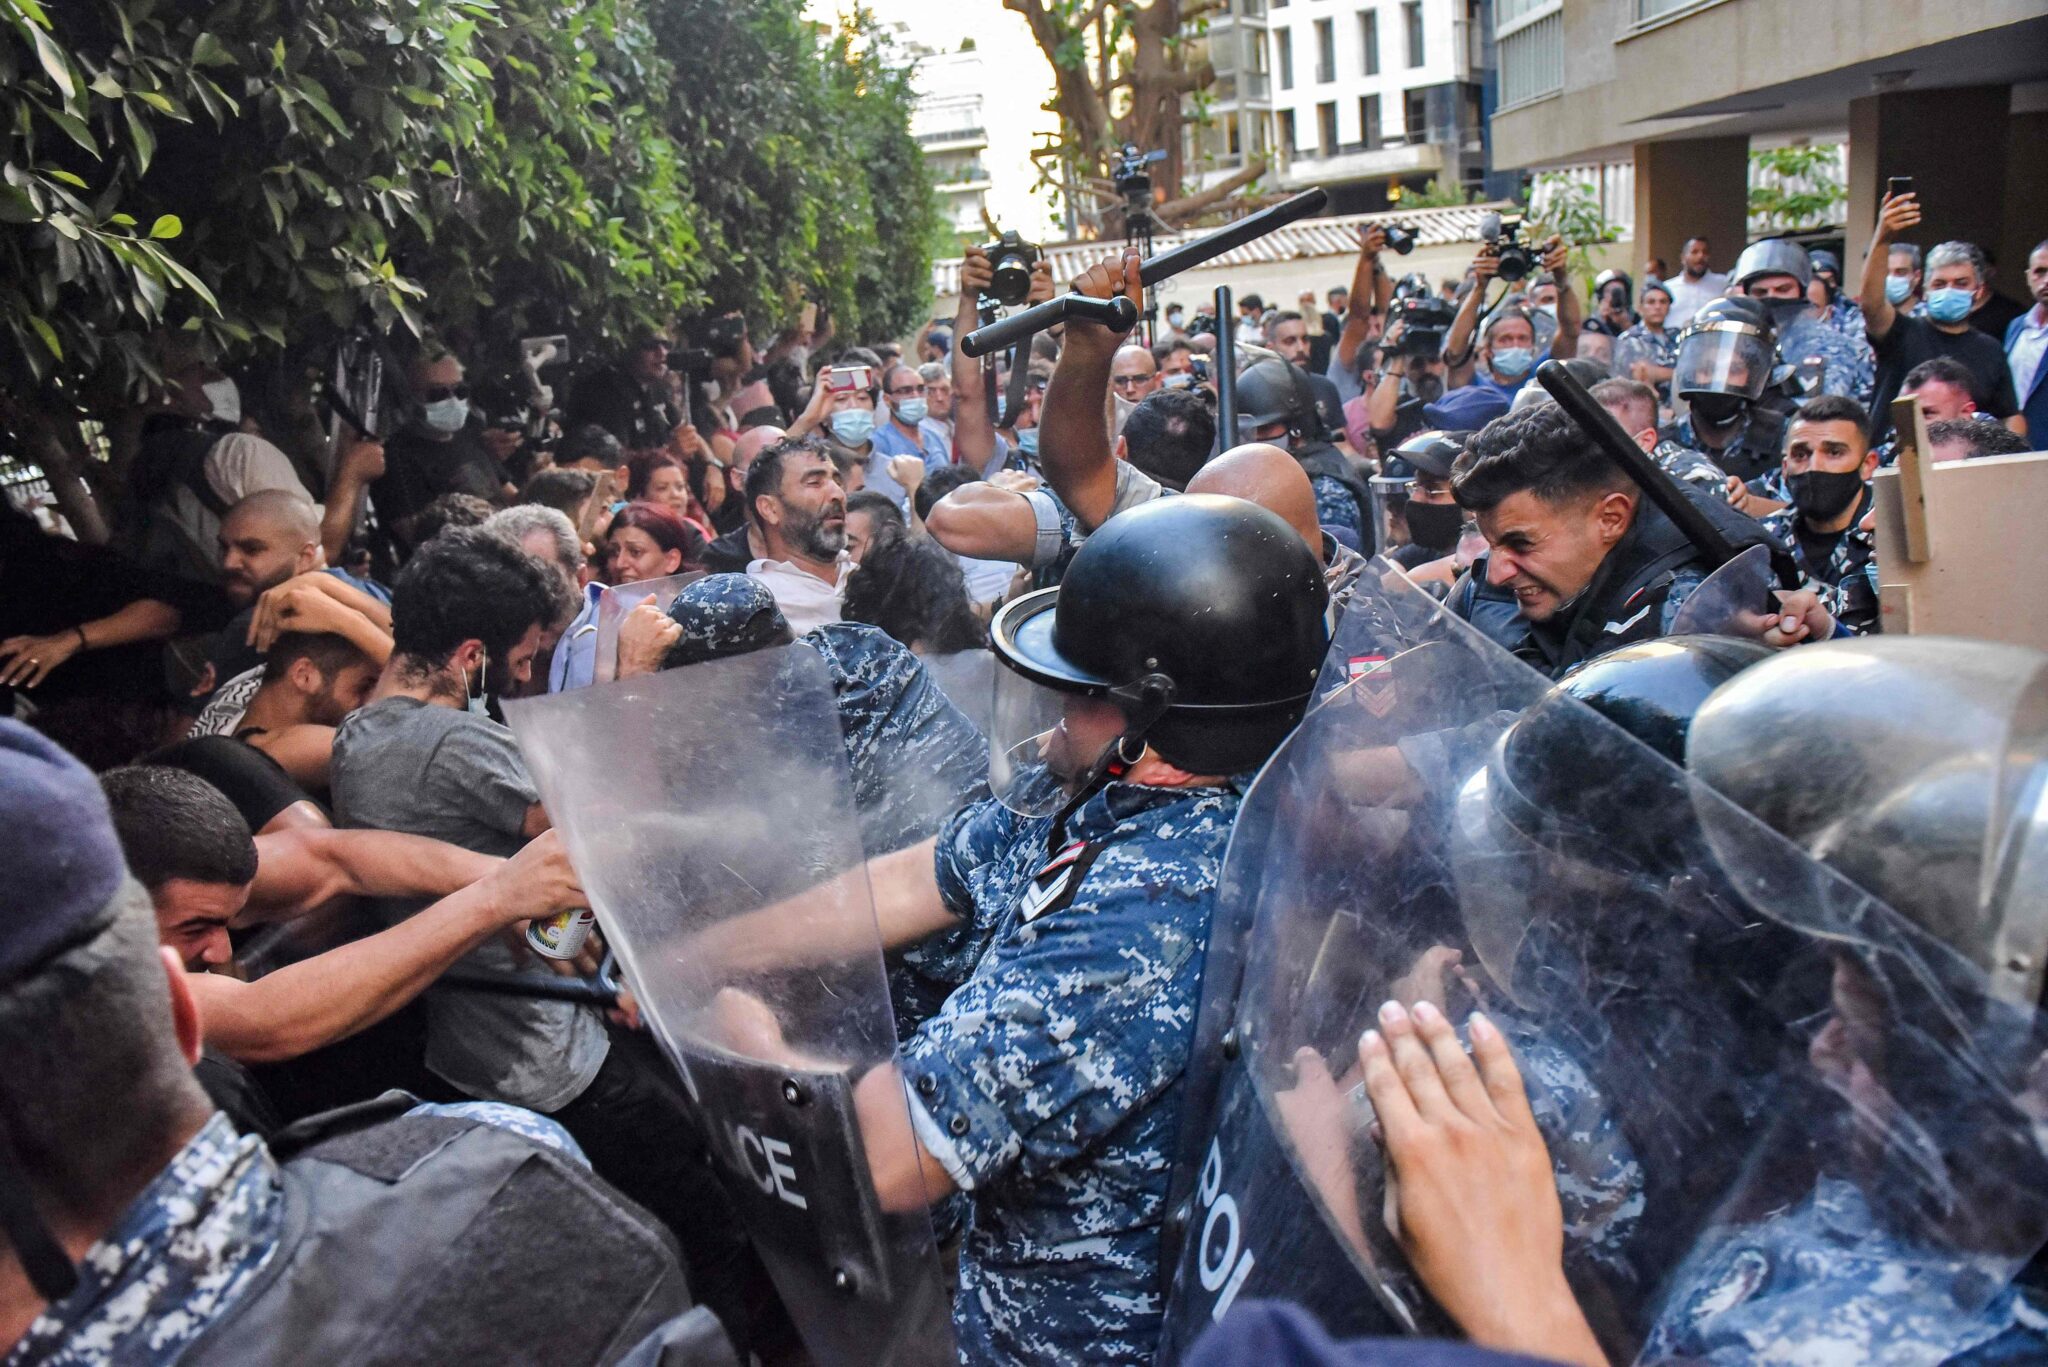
(961, 181)
(953, 140)
(1233, 88)
(1355, 161)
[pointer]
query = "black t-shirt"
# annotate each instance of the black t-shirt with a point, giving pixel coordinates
(1914, 340)
(419, 469)
(638, 414)
(257, 784)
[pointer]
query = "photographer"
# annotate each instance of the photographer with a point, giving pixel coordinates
(1414, 372)
(1506, 354)
(975, 443)
(635, 399)
(1371, 289)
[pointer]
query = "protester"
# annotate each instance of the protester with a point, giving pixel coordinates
(870, 515)
(634, 400)
(2026, 345)
(905, 433)
(912, 588)
(1134, 373)
(798, 507)
(1971, 438)
(1955, 284)
(659, 477)
(1697, 283)
(442, 449)
(648, 541)
(1904, 279)
(309, 682)
(740, 543)
(938, 393)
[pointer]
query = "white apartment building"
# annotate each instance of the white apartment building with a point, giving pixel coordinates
(950, 130)
(1353, 95)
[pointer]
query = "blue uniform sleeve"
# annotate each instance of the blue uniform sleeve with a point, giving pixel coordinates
(1075, 1020)
(1338, 510)
(971, 837)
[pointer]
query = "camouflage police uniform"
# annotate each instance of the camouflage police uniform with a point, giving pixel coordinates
(1823, 1281)
(1338, 510)
(1847, 583)
(1847, 369)
(1600, 1182)
(1692, 467)
(192, 1243)
(1846, 317)
(1050, 1084)
(1658, 348)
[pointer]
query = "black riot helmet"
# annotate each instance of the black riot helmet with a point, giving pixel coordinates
(1275, 391)
(1652, 689)
(1914, 766)
(1725, 358)
(1200, 618)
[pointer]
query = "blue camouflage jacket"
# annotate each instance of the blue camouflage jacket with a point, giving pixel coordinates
(1049, 1084)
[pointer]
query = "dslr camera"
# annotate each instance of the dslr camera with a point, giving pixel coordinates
(1013, 259)
(1402, 237)
(1425, 323)
(717, 338)
(1504, 235)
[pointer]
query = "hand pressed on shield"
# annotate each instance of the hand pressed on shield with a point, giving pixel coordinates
(1471, 1195)
(645, 634)
(1800, 617)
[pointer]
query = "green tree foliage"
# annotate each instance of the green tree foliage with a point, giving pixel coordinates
(259, 174)
(1796, 187)
(1562, 204)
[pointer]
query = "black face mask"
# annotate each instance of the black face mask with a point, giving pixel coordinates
(1435, 526)
(1717, 410)
(1822, 495)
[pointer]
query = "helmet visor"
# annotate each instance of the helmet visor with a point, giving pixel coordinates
(1390, 509)
(1042, 742)
(1722, 360)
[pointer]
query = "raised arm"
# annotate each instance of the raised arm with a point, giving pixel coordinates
(361, 464)
(1458, 348)
(1075, 450)
(984, 522)
(974, 432)
(1368, 283)
(331, 996)
(299, 870)
(1894, 216)
(1557, 260)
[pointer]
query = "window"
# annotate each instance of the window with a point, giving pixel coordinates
(1415, 116)
(1286, 38)
(1369, 37)
(1236, 138)
(1326, 121)
(1287, 130)
(1369, 121)
(1326, 51)
(1411, 14)
(1532, 61)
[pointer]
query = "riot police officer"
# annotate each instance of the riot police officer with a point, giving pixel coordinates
(1578, 562)
(1416, 519)
(1275, 404)
(1737, 417)
(1179, 650)
(1779, 273)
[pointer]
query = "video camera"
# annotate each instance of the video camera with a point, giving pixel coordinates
(1425, 323)
(1402, 237)
(1504, 235)
(1013, 260)
(716, 338)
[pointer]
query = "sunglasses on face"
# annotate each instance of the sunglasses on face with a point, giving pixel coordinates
(436, 393)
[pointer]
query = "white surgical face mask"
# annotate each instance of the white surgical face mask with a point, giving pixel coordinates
(225, 398)
(447, 415)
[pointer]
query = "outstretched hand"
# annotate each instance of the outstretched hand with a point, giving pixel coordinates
(1106, 280)
(1471, 1195)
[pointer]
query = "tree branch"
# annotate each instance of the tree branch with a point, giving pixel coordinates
(1179, 211)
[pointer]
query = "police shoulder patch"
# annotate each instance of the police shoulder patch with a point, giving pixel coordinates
(1053, 886)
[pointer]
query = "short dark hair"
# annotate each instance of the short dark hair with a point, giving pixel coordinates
(565, 491)
(912, 589)
(1981, 435)
(173, 824)
(767, 415)
(1946, 369)
(640, 471)
(90, 1027)
(1540, 450)
(938, 484)
(1169, 435)
(1287, 316)
(878, 506)
(329, 653)
(1162, 350)
(469, 584)
(448, 510)
(1251, 301)
(764, 476)
(1833, 408)
(590, 441)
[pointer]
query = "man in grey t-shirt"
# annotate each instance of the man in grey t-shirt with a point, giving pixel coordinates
(466, 620)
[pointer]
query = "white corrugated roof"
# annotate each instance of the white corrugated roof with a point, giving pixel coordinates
(1308, 237)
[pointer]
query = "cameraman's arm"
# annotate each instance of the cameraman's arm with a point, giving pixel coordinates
(1368, 281)
(974, 431)
(1075, 448)
(1557, 260)
(1458, 349)
(1384, 407)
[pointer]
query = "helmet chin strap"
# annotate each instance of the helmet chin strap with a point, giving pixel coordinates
(1144, 703)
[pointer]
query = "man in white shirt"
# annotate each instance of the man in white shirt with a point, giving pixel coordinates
(798, 506)
(1695, 285)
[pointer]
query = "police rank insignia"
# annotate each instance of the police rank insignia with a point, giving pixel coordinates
(1053, 886)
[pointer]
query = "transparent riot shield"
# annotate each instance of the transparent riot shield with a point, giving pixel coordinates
(710, 814)
(1775, 1111)
(618, 600)
(1732, 601)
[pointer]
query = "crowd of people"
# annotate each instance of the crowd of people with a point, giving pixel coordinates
(276, 855)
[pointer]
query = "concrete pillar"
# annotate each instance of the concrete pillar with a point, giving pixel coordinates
(2026, 203)
(1692, 187)
(1960, 176)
